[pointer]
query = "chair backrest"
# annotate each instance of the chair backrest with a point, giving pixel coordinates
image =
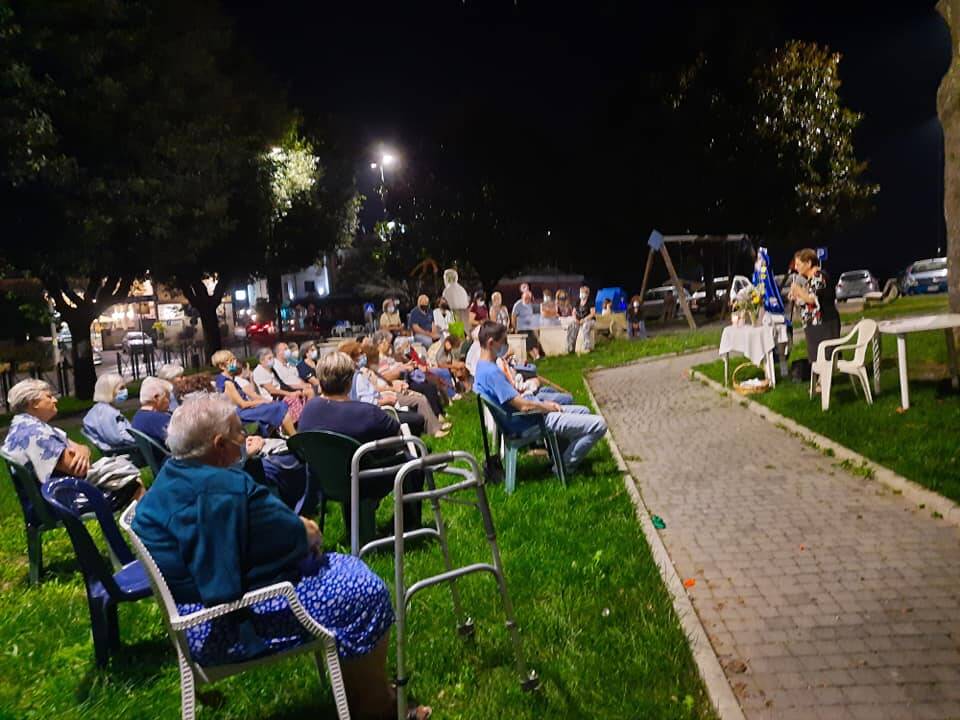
(70, 499)
(327, 456)
(153, 452)
(499, 415)
(36, 511)
(160, 587)
(866, 331)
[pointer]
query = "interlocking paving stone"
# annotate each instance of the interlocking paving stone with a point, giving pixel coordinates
(842, 598)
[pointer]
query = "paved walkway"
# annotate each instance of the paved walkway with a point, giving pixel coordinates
(824, 594)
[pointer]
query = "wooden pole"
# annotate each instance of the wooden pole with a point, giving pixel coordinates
(646, 275)
(684, 305)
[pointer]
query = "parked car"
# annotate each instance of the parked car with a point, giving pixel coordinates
(855, 284)
(136, 342)
(926, 276)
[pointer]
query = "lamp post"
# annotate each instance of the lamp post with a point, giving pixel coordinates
(386, 160)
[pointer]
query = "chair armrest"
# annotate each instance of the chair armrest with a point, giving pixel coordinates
(283, 589)
(528, 413)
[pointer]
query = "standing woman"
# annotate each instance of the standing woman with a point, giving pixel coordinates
(498, 313)
(818, 302)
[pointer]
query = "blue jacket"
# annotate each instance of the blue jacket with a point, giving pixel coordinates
(216, 534)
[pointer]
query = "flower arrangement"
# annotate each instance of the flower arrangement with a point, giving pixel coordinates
(748, 304)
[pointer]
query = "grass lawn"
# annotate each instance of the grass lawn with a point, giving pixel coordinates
(920, 444)
(906, 305)
(595, 619)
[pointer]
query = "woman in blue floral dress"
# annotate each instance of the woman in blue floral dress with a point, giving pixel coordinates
(216, 534)
(32, 441)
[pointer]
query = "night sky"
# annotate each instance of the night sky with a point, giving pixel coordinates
(395, 71)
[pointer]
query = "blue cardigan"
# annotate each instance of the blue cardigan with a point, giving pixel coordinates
(216, 534)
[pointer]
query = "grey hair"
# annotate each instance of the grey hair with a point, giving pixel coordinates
(106, 388)
(195, 423)
(382, 336)
(335, 372)
(24, 393)
(263, 352)
(169, 371)
(152, 388)
(306, 345)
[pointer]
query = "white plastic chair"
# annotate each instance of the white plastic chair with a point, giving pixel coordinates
(864, 331)
(324, 646)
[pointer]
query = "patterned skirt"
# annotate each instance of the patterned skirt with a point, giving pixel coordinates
(341, 593)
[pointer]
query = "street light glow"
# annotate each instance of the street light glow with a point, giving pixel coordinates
(388, 159)
(373, 166)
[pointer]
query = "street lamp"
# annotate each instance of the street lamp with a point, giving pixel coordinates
(386, 160)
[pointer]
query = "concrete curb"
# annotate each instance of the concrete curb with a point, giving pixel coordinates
(718, 688)
(915, 493)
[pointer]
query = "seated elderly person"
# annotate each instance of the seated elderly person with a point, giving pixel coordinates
(391, 369)
(443, 316)
(33, 441)
(267, 382)
(251, 408)
(421, 323)
(390, 319)
(104, 425)
(171, 373)
(364, 389)
(443, 356)
(575, 427)
(285, 359)
(154, 414)
(254, 542)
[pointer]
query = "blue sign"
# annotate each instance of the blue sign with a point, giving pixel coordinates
(368, 308)
(655, 241)
(821, 254)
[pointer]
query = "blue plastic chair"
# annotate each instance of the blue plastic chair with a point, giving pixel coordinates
(512, 442)
(69, 499)
(132, 451)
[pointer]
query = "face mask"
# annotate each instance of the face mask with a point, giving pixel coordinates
(362, 362)
(390, 308)
(636, 305)
(239, 463)
(294, 354)
(232, 367)
(584, 296)
(444, 307)
(122, 395)
(312, 354)
(268, 361)
(481, 302)
(547, 298)
(424, 307)
(287, 354)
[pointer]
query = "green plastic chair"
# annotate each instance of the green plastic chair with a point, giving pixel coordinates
(38, 517)
(328, 457)
(512, 442)
(153, 452)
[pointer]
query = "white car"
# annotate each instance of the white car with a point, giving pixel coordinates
(136, 342)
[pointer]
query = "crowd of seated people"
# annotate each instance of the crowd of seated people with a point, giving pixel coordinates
(366, 390)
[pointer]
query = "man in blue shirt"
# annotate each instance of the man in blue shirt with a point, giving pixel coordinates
(574, 425)
(421, 323)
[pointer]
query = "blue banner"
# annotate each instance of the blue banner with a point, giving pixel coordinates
(764, 282)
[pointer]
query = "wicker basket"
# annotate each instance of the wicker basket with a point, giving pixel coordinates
(756, 389)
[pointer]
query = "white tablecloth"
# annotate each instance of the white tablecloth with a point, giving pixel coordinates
(753, 342)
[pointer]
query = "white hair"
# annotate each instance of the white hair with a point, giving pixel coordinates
(25, 393)
(195, 423)
(169, 371)
(152, 388)
(106, 388)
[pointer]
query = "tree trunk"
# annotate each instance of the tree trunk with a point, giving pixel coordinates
(275, 293)
(79, 311)
(81, 354)
(948, 109)
(206, 305)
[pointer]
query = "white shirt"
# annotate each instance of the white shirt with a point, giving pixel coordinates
(264, 376)
(442, 319)
(473, 357)
(288, 373)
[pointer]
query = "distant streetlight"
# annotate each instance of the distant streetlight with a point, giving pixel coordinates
(386, 160)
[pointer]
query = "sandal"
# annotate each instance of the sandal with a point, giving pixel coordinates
(413, 710)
